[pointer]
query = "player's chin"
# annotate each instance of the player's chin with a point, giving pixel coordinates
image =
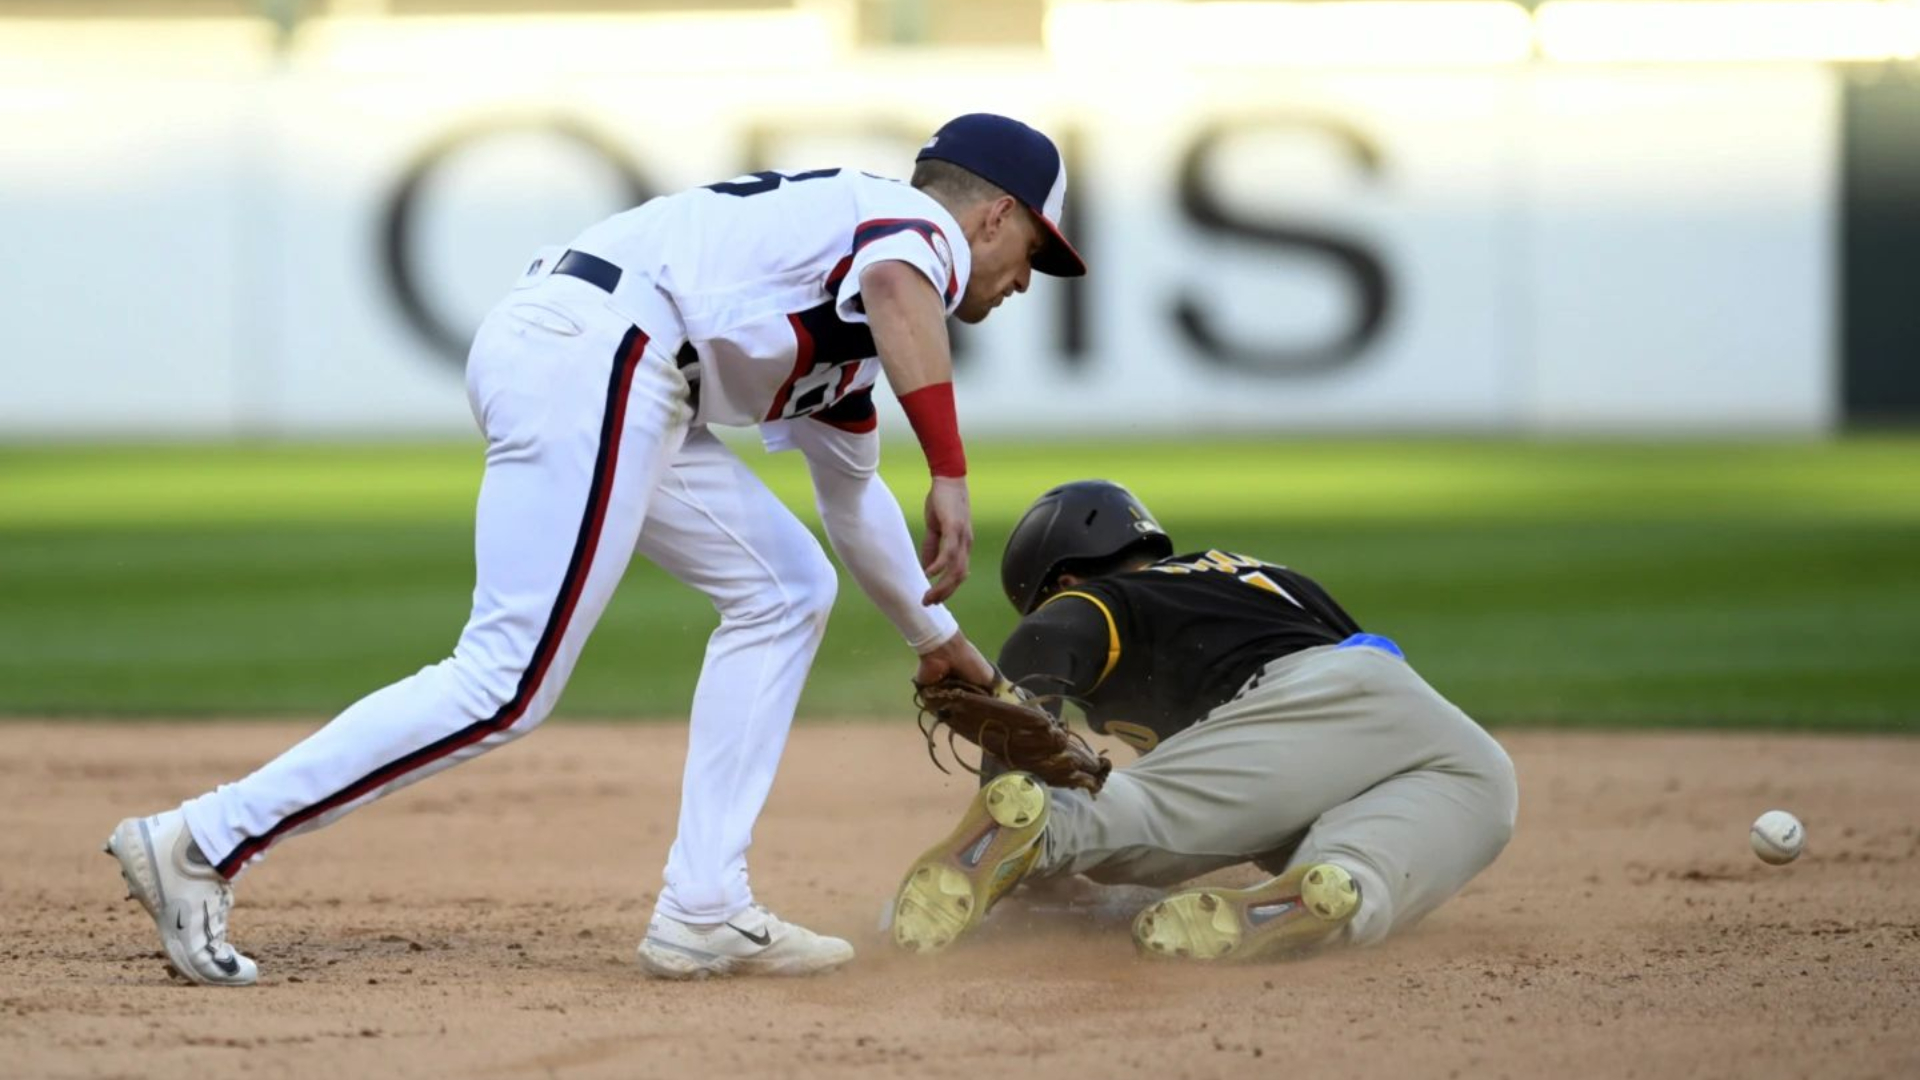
(971, 313)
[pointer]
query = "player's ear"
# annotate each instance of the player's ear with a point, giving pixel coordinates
(1000, 215)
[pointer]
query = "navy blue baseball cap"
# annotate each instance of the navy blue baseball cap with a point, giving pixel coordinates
(1021, 162)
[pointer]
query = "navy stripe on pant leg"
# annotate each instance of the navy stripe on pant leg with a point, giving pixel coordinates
(586, 543)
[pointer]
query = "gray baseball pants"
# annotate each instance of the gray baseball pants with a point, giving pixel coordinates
(1335, 754)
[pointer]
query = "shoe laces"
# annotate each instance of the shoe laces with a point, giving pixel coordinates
(216, 916)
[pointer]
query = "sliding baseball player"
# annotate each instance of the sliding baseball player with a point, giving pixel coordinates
(1272, 730)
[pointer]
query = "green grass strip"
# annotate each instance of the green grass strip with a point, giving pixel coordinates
(1764, 584)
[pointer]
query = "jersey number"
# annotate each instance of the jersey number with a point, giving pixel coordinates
(1244, 570)
(827, 355)
(764, 182)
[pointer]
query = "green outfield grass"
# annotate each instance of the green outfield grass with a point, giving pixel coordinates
(1766, 584)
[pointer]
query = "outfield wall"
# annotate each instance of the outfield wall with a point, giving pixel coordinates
(218, 243)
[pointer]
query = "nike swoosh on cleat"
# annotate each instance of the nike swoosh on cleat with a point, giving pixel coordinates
(763, 939)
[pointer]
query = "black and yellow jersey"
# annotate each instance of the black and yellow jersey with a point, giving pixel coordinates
(1151, 651)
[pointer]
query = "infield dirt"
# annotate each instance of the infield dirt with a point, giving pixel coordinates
(483, 923)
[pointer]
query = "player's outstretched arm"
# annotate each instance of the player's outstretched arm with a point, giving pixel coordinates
(869, 533)
(867, 530)
(908, 320)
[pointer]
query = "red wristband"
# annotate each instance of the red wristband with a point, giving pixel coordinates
(937, 426)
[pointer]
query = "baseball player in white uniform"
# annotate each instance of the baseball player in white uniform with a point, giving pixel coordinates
(771, 300)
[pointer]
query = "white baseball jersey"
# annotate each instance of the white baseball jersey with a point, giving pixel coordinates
(763, 273)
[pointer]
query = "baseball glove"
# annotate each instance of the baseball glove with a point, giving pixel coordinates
(1009, 724)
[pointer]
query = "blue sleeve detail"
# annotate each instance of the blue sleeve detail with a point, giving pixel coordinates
(1373, 641)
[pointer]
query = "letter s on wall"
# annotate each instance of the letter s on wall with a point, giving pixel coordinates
(1369, 278)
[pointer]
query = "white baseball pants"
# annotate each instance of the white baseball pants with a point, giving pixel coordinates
(589, 458)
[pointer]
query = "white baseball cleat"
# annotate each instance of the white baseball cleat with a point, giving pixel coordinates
(754, 942)
(187, 898)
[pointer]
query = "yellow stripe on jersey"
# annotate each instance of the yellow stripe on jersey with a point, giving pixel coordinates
(1113, 633)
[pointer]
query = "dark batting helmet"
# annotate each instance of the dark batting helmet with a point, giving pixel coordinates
(1085, 521)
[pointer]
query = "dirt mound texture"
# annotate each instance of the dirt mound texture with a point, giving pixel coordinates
(483, 924)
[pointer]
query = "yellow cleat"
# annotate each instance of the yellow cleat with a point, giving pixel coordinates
(1295, 911)
(952, 887)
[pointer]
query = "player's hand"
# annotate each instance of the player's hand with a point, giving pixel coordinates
(948, 544)
(957, 657)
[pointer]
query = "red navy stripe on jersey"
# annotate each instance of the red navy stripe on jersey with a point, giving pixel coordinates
(586, 543)
(853, 412)
(847, 375)
(821, 342)
(802, 364)
(880, 229)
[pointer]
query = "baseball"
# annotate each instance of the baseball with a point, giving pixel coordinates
(1777, 837)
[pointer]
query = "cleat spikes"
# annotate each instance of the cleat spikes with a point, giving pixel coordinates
(1293, 913)
(951, 888)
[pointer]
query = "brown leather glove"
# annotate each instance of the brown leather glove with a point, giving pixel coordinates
(1009, 724)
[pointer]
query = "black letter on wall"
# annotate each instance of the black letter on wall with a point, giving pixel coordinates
(1369, 277)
